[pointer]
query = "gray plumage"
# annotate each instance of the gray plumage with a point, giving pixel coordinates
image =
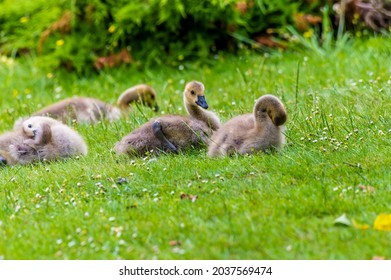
(250, 133)
(48, 139)
(172, 133)
(15, 137)
(92, 110)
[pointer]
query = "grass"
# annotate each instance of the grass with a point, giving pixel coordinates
(274, 206)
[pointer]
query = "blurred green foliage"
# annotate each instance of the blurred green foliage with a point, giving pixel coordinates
(75, 34)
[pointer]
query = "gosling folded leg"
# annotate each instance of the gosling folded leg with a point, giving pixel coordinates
(157, 131)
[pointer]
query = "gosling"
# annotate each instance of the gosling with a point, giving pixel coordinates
(48, 140)
(250, 133)
(91, 110)
(174, 133)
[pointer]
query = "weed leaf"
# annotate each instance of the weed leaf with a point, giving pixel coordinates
(342, 220)
(359, 226)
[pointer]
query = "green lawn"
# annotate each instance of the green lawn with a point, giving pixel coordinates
(275, 206)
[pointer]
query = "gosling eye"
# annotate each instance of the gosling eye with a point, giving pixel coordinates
(192, 92)
(30, 125)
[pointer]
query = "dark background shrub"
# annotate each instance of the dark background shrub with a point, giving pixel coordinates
(86, 34)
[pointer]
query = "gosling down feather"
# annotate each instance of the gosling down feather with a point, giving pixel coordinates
(92, 110)
(172, 133)
(245, 134)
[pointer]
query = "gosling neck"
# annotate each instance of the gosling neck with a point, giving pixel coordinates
(261, 114)
(207, 117)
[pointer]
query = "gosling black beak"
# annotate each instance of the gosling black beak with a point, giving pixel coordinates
(156, 108)
(202, 102)
(3, 161)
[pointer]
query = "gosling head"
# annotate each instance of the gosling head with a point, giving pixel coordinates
(274, 108)
(30, 127)
(142, 93)
(148, 98)
(194, 94)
